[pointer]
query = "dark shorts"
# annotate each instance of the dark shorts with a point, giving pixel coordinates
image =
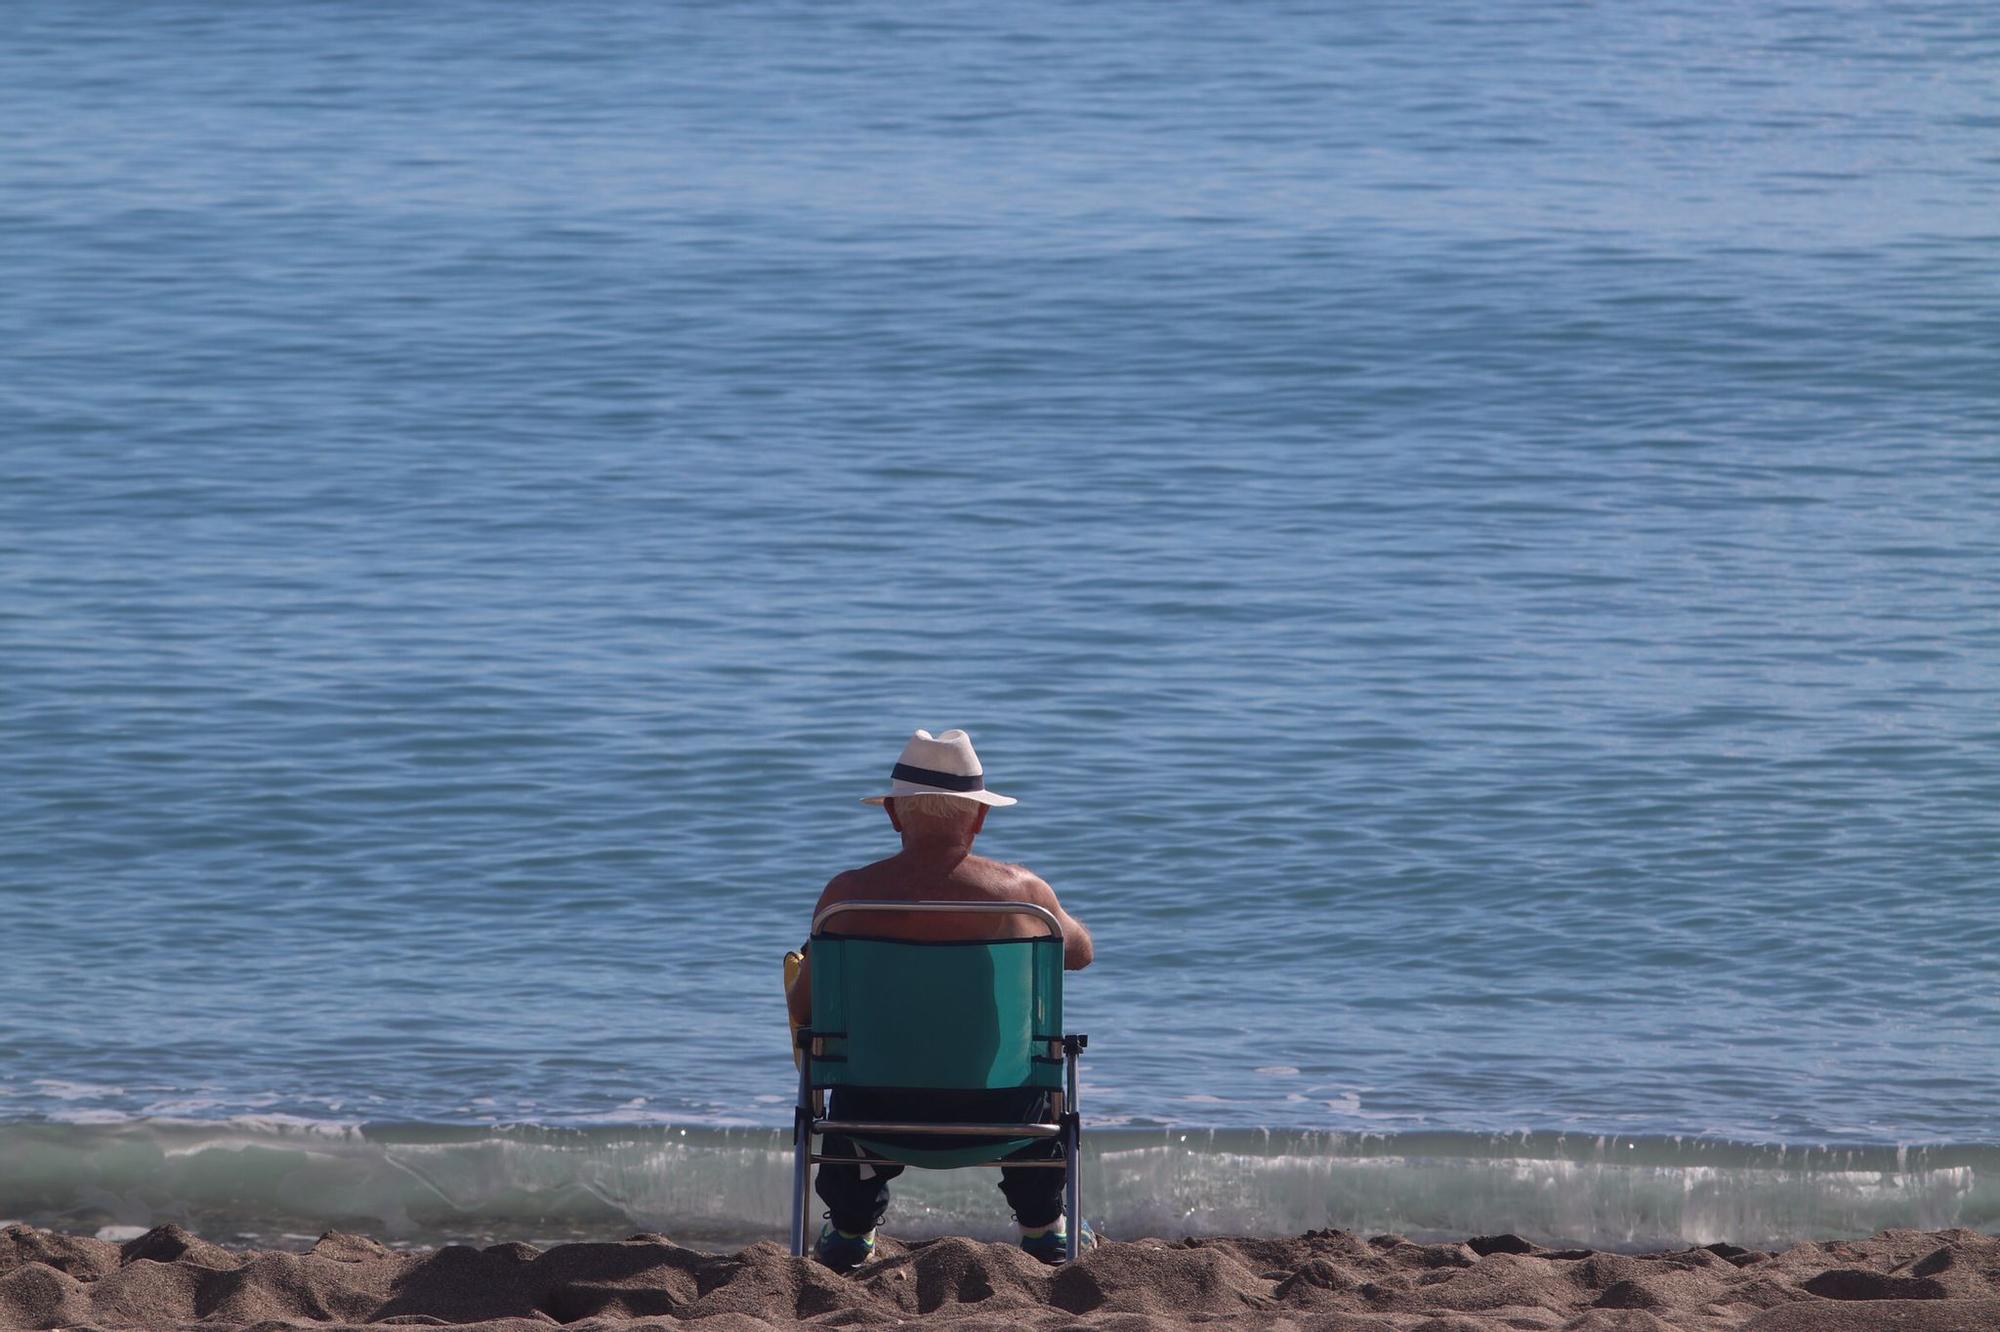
(857, 1197)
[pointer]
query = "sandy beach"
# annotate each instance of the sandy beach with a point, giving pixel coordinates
(1324, 1281)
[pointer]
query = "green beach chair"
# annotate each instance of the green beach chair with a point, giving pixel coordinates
(896, 1015)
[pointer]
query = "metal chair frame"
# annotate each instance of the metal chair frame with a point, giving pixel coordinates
(806, 1120)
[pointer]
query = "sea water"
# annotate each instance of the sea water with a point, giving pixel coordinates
(1471, 532)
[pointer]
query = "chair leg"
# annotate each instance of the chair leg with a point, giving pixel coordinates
(801, 1163)
(1073, 1204)
(1073, 1146)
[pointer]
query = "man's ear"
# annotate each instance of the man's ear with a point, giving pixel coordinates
(889, 807)
(979, 819)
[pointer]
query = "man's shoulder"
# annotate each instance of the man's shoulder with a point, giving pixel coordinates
(862, 881)
(1015, 880)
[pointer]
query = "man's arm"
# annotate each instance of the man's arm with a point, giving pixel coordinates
(1078, 950)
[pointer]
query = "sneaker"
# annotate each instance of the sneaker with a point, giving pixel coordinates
(1051, 1243)
(841, 1251)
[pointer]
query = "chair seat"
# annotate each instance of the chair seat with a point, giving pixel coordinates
(850, 1127)
(947, 1158)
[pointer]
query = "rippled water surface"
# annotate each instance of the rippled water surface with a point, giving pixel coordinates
(1472, 533)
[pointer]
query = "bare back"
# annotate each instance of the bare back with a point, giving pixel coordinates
(916, 878)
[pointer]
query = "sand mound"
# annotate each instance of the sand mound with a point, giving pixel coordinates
(1324, 1281)
(36, 1295)
(84, 1259)
(171, 1244)
(1152, 1278)
(955, 1273)
(1926, 1316)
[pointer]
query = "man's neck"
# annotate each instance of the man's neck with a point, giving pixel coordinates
(937, 851)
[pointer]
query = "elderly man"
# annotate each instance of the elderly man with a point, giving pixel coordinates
(938, 801)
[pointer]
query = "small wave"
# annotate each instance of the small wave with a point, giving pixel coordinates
(57, 1089)
(274, 1175)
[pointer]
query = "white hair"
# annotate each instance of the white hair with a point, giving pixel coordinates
(935, 809)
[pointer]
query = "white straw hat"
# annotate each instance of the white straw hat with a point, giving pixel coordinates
(940, 765)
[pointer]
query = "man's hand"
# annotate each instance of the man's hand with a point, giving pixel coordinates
(799, 999)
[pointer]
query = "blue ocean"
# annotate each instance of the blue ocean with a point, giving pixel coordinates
(1473, 532)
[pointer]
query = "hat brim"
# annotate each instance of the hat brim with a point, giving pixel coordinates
(900, 789)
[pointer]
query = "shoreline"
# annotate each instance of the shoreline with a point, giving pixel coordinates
(258, 1183)
(1321, 1281)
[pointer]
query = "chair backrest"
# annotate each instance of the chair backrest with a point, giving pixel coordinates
(892, 1013)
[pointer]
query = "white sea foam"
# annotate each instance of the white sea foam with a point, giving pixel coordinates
(59, 1090)
(426, 1183)
(120, 1234)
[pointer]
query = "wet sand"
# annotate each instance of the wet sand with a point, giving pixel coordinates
(1324, 1281)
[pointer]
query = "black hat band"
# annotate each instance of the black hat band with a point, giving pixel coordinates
(947, 781)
